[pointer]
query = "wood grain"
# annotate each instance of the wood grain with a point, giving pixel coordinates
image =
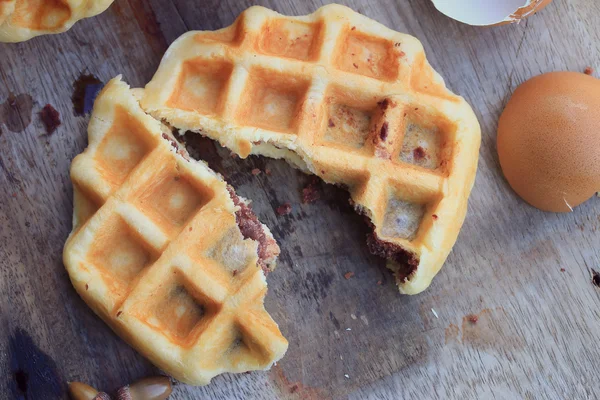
(537, 329)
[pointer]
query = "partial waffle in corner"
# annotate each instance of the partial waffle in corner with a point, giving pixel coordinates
(345, 98)
(22, 20)
(165, 252)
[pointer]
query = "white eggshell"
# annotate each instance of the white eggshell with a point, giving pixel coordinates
(482, 12)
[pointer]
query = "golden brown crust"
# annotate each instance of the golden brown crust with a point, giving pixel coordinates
(22, 20)
(343, 97)
(157, 253)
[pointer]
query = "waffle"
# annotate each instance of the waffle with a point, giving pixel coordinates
(22, 20)
(338, 95)
(158, 250)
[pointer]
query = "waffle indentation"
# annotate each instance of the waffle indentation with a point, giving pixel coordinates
(402, 219)
(364, 54)
(272, 101)
(172, 199)
(177, 310)
(231, 253)
(348, 126)
(424, 140)
(120, 255)
(123, 148)
(291, 39)
(46, 15)
(201, 86)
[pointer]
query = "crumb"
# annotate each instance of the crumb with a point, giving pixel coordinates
(397, 44)
(255, 171)
(348, 275)
(119, 314)
(268, 171)
(562, 270)
(588, 71)
(331, 124)
(294, 388)
(233, 155)
(284, 209)
(234, 272)
(419, 153)
(355, 66)
(51, 118)
(353, 28)
(384, 131)
(379, 283)
(402, 54)
(310, 193)
(190, 229)
(435, 217)
(472, 318)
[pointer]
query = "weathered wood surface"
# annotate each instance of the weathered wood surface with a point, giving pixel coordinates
(538, 327)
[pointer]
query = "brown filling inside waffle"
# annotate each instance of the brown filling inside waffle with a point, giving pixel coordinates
(247, 221)
(252, 228)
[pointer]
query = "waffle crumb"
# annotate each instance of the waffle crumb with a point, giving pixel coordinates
(284, 209)
(255, 171)
(419, 153)
(588, 71)
(348, 275)
(472, 318)
(311, 193)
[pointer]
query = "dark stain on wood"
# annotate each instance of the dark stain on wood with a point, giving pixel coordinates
(50, 118)
(296, 389)
(595, 278)
(149, 25)
(15, 112)
(85, 90)
(34, 373)
(202, 148)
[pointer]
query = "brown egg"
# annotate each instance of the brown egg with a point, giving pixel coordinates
(549, 140)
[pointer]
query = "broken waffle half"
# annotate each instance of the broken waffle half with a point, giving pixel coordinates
(22, 20)
(165, 252)
(343, 97)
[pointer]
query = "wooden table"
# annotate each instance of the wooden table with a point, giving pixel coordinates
(523, 275)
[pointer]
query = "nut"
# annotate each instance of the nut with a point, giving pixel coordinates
(81, 391)
(154, 388)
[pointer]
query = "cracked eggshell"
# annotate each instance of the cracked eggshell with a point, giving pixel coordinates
(489, 12)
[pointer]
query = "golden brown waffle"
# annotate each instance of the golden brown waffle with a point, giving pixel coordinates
(22, 20)
(156, 250)
(345, 98)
